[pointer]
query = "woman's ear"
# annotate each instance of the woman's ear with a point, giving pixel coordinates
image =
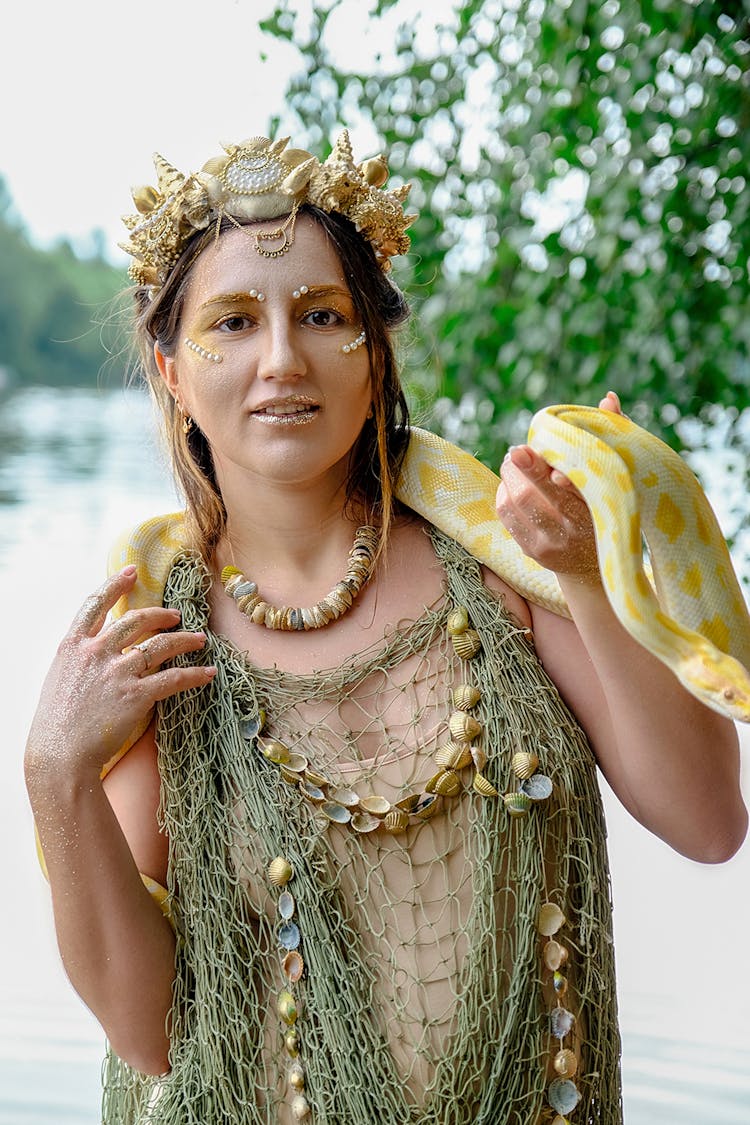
(167, 369)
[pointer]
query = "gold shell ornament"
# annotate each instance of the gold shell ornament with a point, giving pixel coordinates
(396, 821)
(458, 621)
(466, 644)
(463, 727)
(466, 696)
(287, 1007)
(446, 783)
(484, 787)
(453, 756)
(517, 804)
(296, 1076)
(524, 763)
(279, 871)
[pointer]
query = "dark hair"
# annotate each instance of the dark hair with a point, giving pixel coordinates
(377, 454)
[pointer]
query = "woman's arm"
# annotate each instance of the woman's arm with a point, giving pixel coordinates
(117, 947)
(673, 762)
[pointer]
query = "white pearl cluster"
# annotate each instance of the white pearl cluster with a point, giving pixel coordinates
(297, 293)
(257, 295)
(204, 353)
(355, 343)
(253, 175)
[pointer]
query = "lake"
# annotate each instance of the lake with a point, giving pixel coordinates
(75, 468)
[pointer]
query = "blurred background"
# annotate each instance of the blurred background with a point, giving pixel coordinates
(580, 170)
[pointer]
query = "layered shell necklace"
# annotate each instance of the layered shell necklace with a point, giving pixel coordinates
(335, 603)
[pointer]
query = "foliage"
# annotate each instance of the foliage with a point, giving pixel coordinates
(581, 170)
(50, 302)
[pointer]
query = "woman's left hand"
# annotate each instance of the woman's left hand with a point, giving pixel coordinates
(546, 514)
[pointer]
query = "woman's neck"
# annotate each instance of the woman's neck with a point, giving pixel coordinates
(289, 541)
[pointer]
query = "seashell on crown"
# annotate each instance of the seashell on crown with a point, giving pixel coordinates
(260, 179)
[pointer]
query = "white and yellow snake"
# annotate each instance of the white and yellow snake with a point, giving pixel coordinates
(692, 616)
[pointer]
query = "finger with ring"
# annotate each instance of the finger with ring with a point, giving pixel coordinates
(143, 648)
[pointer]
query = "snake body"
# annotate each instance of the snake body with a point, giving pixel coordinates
(686, 608)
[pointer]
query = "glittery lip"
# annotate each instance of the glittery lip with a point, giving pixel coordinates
(293, 410)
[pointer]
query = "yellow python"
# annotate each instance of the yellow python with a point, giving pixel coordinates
(691, 614)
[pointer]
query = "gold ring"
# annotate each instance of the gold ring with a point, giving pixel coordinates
(143, 649)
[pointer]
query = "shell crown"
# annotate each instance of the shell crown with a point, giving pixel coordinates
(261, 179)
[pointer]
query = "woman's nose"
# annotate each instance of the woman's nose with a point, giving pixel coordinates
(280, 353)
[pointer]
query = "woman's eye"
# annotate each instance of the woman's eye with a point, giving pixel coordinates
(323, 318)
(234, 323)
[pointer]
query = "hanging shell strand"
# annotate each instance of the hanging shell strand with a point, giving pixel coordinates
(288, 935)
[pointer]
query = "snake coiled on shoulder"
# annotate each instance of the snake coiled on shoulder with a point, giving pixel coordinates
(685, 606)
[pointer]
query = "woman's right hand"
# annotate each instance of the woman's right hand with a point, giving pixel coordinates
(105, 680)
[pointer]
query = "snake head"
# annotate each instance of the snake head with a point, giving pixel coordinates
(719, 681)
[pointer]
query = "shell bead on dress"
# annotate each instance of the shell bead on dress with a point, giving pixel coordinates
(464, 727)
(337, 814)
(375, 805)
(561, 1024)
(466, 644)
(524, 763)
(293, 966)
(484, 787)
(538, 787)
(287, 1007)
(363, 822)
(517, 804)
(285, 905)
(565, 1063)
(279, 871)
(289, 936)
(550, 919)
(563, 1095)
(555, 955)
(300, 1108)
(466, 696)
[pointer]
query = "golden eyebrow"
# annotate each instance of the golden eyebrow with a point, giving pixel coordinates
(253, 295)
(325, 291)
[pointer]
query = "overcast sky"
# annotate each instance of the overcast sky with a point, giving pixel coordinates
(90, 89)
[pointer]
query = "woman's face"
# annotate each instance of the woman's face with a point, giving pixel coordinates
(286, 403)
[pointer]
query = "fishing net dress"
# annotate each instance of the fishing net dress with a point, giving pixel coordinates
(443, 963)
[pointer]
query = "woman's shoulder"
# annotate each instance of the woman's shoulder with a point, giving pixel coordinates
(415, 541)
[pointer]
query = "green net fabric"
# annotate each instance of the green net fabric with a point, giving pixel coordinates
(425, 999)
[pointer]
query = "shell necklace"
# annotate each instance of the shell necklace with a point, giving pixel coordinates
(328, 609)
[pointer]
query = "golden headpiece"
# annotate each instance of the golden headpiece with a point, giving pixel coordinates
(256, 180)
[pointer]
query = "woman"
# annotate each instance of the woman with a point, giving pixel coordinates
(284, 901)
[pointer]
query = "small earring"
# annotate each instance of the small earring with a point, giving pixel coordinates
(204, 353)
(297, 293)
(355, 343)
(370, 412)
(187, 421)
